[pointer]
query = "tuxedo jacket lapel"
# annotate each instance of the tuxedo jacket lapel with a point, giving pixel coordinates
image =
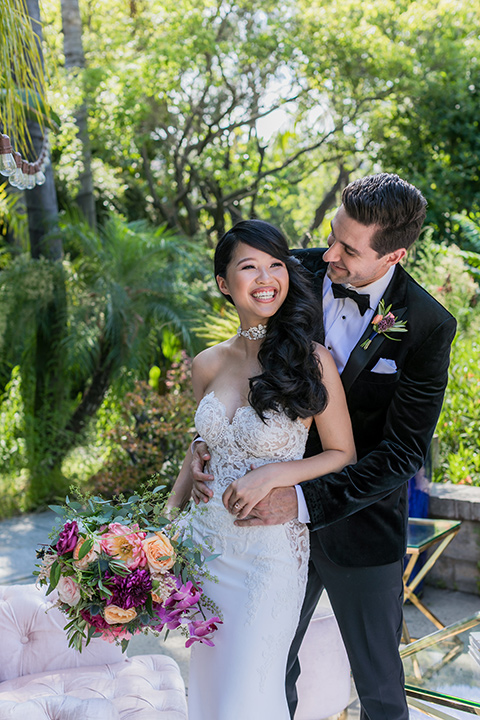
(394, 295)
(359, 357)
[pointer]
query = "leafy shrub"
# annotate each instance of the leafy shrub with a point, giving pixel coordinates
(459, 424)
(13, 478)
(445, 273)
(448, 274)
(151, 437)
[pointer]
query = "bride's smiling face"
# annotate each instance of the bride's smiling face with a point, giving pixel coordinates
(257, 283)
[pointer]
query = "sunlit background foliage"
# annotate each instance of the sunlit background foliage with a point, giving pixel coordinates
(176, 119)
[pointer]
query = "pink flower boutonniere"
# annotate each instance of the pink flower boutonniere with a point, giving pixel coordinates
(384, 322)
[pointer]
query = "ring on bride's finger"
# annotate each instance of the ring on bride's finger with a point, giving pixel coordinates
(236, 506)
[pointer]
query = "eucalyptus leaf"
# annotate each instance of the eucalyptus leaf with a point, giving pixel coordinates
(161, 522)
(58, 509)
(55, 573)
(76, 505)
(86, 547)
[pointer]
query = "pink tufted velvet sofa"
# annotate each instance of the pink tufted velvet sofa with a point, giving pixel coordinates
(42, 678)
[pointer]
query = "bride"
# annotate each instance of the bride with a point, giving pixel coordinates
(258, 393)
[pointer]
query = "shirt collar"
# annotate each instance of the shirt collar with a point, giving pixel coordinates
(376, 289)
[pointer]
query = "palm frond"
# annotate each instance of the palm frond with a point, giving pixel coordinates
(216, 328)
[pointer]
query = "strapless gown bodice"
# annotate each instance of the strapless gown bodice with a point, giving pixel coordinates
(246, 437)
(261, 571)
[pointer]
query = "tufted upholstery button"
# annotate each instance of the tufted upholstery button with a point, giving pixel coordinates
(24, 639)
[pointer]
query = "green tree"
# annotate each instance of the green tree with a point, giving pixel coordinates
(185, 102)
(205, 112)
(430, 134)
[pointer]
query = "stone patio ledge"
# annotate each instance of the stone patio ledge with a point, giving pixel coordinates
(458, 567)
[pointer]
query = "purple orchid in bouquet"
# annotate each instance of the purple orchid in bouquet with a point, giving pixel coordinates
(121, 567)
(202, 631)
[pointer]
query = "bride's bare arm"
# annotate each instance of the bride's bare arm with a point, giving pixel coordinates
(335, 431)
(182, 489)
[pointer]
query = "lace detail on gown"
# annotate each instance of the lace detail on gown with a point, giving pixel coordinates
(262, 572)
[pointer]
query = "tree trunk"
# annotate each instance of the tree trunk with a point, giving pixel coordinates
(44, 377)
(42, 208)
(328, 201)
(41, 202)
(75, 58)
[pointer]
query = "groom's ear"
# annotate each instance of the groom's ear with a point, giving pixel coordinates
(394, 257)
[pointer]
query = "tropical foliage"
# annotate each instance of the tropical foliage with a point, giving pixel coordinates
(121, 294)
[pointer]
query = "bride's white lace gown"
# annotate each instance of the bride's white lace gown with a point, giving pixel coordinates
(261, 571)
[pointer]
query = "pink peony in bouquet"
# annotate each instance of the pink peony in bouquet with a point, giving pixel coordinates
(120, 567)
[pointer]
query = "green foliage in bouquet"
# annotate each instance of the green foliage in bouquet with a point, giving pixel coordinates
(123, 567)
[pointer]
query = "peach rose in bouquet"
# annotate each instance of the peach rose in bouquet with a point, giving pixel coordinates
(83, 561)
(160, 553)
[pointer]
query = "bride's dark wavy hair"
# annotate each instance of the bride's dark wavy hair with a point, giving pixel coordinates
(292, 375)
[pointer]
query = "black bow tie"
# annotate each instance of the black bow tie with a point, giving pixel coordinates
(363, 301)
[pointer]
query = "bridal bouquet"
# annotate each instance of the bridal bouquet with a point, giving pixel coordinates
(121, 568)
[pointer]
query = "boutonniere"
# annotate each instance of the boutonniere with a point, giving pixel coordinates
(383, 323)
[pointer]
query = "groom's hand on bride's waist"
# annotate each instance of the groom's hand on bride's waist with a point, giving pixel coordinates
(200, 490)
(278, 507)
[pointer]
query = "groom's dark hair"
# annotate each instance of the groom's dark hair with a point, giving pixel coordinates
(398, 208)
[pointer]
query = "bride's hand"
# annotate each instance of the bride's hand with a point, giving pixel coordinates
(200, 490)
(243, 494)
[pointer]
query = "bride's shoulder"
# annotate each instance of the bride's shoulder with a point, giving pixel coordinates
(326, 360)
(215, 354)
(207, 363)
(321, 351)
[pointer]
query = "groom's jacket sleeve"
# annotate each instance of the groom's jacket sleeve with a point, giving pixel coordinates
(410, 420)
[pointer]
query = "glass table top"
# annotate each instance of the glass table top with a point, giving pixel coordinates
(444, 667)
(424, 531)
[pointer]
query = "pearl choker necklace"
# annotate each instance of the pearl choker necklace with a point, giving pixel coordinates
(254, 333)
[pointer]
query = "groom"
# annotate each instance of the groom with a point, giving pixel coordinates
(394, 388)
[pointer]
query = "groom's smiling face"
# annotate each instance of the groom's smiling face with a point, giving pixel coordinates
(350, 256)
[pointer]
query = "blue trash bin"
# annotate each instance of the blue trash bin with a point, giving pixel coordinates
(418, 504)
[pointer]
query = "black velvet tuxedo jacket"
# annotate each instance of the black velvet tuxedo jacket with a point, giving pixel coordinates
(361, 513)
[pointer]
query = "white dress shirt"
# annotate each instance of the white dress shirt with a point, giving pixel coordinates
(344, 326)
